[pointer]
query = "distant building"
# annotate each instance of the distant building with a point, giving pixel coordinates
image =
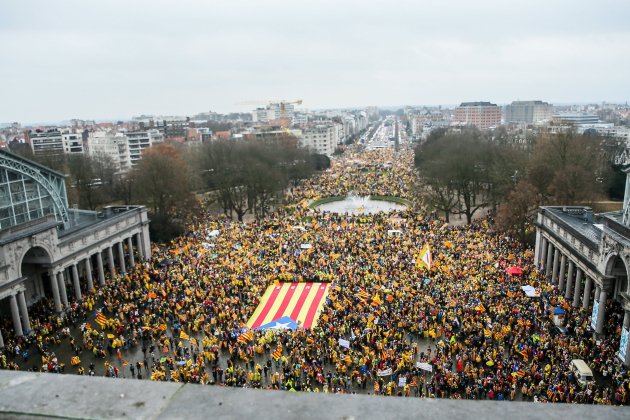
(46, 142)
(72, 143)
(113, 145)
(575, 119)
(274, 112)
(137, 141)
(321, 138)
(480, 114)
(528, 112)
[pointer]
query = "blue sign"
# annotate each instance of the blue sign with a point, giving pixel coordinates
(594, 315)
(623, 344)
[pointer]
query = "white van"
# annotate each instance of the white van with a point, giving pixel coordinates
(583, 373)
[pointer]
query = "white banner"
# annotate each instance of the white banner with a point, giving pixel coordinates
(424, 366)
(623, 344)
(344, 343)
(385, 372)
(594, 315)
(402, 381)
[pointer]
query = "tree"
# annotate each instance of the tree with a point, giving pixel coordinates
(564, 169)
(92, 179)
(568, 169)
(161, 181)
(456, 169)
(519, 209)
(249, 175)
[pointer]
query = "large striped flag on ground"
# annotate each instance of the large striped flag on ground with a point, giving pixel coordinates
(424, 257)
(302, 302)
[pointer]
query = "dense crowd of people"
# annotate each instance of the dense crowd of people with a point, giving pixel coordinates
(462, 329)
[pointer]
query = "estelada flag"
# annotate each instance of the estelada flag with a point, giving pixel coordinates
(524, 354)
(183, 335)
(101, 319)
(245, 337)
(302, 302)
(423, 259)
(363, 295)
(278, 353)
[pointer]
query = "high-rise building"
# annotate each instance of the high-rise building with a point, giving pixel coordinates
(137, 141)
(46, 142)
(528, 112)
(321, 138)
(113, 145)
(480, 114)
(72, 143)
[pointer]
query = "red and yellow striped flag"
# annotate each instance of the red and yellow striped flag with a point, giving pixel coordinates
(245, 337)
(363, 295)
(278, 353)
(302, 302)
(101, 319)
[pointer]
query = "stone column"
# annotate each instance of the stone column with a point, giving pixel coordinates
(121, 258)
(77, 283)
(88, 274)
(17, 324)
(569, 285)
(132, 260)
(146, 242)
(139, 246)
(62, 289)
(26, 322)
(556, 264)
(588, 285)
(543, 251)
(110, 262)
(561, 272)
(54, 285)
(99, 267)
(578, 288)
(549, 263)
(601, 313)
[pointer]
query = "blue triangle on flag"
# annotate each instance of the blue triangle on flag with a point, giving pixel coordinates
(284, 323)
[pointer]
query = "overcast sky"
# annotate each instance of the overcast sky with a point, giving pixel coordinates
(115, 59)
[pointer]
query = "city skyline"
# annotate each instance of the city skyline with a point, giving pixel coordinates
(116, 60)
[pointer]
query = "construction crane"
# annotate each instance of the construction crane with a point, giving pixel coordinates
(284, 121)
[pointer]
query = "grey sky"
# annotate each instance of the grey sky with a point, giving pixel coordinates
(114, 59)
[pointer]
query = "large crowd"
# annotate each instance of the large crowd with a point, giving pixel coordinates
(461, 329)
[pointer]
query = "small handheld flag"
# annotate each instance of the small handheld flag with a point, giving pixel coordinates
(423, 259)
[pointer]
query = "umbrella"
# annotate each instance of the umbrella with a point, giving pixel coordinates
(514, 271)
